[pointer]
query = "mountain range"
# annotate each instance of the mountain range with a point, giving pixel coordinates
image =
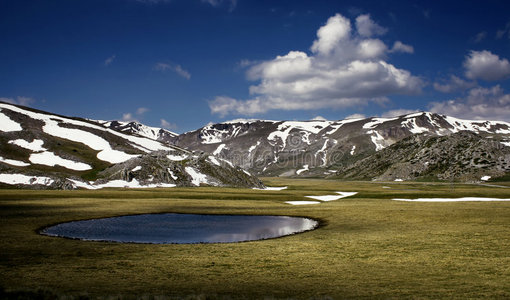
(92, 153)
(44, 150)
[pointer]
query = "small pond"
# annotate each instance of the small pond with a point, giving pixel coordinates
(172, 228)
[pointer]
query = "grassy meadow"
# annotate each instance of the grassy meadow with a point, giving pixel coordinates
(367, 247)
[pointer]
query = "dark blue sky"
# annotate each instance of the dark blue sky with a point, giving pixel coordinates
(190, 62)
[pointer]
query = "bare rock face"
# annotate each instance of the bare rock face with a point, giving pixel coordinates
(180, 169)
(464, 156)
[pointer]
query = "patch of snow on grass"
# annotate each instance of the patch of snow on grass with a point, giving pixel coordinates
(35, 145)
(305, 168)
(13, 162)
(485, 178)
(302, 202)
(272, 188)
(196, 177)
(50, 159)
(464, 199)
(8, 125)
(398, 180)
(326, 198)
(24, 179)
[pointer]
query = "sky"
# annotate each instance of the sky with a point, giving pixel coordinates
(181, 64)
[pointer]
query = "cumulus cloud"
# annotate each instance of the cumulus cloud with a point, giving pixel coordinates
(486, 65)
(453, 84)
(345, 68)
(480, 104)
(167, 125)
(20, 100)
(398, 46)
(109, 60)
(163, 67)
(398, 112)
(130, 117)
(367, 28)
(356, 116)
(480, 37)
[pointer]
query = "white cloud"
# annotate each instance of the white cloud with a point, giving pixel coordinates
(356, 116)
(345, 69)
(367, 28)
(398, 46)
(163, 67)
(109, 60)
(501, 32)
(128, 117)
(216, 3)
(453, 84)
(480, 104)
(167, 125)
(141, 110)
(398, 112)
(480, 37)
(20, 100)
(486, 65)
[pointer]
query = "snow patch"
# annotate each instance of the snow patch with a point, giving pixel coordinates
(177, 157)
(332, 197)
(196, 177)
(352, 150)
(24, 179)
(398, 180)
(120, 184)
(305, 168)
(50, 159)
(8, 125)
(376, 121)
(272, 188)
(219, 149)
(302, 202)
(506, 144)
(213, 160)
(35, 145)
(485, 178)
(13, 162)
(137, 168)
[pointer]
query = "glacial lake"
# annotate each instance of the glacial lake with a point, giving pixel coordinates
(172, 228)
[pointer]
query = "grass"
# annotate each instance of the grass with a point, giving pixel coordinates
(370, 246)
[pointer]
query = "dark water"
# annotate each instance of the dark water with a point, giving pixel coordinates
(182, 228)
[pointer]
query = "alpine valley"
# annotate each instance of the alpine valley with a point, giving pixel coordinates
(44, 150)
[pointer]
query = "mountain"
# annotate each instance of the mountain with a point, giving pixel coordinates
(321, 148)
(44, 150)
(463, 156)
(136, 128)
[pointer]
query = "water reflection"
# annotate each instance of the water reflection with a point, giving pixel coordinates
(182, 228)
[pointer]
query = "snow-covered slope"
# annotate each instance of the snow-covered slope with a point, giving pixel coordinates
(319, 148)
(136, 128)
(41, 149)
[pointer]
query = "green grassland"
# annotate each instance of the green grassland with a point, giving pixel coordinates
(367, 247)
